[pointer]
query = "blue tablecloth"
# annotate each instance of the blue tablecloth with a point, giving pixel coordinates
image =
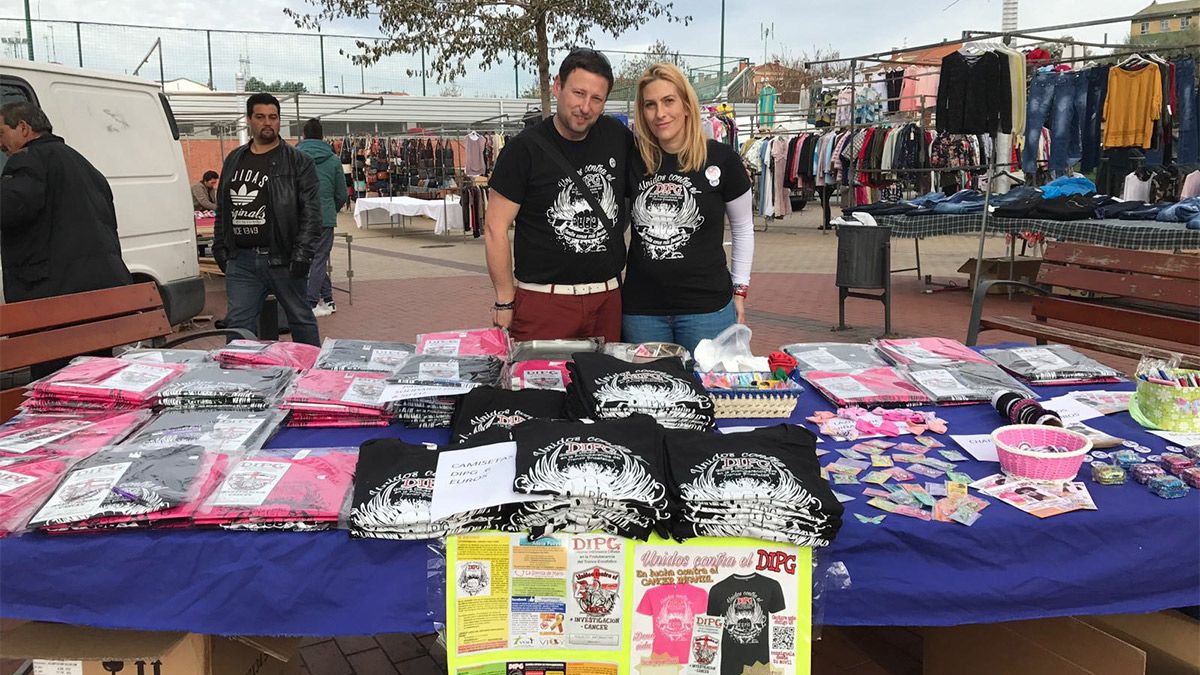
(1137, 553)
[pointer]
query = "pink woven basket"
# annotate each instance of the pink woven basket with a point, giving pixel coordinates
(1040, 465)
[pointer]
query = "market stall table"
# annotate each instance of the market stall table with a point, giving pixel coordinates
(1142, 235)
(446, 213)
(1137, 553)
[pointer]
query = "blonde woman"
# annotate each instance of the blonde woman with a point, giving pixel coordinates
(678, 287)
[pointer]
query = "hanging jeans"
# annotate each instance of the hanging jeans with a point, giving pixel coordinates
(1189, 126)
(1037, 108)
(1070, 109)
(1097, 90)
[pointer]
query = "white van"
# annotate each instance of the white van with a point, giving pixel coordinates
(125, 128)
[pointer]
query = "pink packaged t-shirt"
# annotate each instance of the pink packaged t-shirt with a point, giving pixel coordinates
(673, 608)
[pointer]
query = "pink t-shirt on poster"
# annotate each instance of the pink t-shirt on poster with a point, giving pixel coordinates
(673, 608)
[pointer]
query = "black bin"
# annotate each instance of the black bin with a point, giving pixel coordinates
(864, 256)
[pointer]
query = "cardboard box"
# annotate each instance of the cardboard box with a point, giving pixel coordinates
(60, 649)
(1024, 268)
(1170, 639)
(1060, 646)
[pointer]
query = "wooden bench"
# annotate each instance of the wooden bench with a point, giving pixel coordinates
(64, 326)
(1148, 304)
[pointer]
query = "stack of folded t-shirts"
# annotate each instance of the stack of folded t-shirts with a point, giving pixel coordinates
(157, 477)
(1051, 364)
(606, 388)
(929, 351)
(962, 382)
(75, 435)
(833, 356)
(474, 342)
(331, 398)
(436, 383)
(282, 489)
(101, 383)
(393, 493)
(148, 355)
(295, 355)
(25, 483)
(870, 387)
(605, 476)
(363, 355)
(487, 408)
(211, 385)
(540, 374)
(763, 484)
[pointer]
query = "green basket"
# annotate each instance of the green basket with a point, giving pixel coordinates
(1161, 406)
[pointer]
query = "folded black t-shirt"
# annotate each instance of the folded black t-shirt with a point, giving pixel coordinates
(211, 385)
(606, 387)
(488, 407)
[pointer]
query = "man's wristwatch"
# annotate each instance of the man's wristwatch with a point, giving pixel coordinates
(741, 289)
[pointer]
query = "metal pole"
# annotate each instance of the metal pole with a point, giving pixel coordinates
(208, 44)
(362, 74)
(721, 68)
(423, 93)
(987, 198)
(28, 31)
(516, 77)
(79, 44)
(851, 194)
(162, 79)
(321, 39)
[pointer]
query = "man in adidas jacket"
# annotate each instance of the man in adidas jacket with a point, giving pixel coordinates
(268, 224)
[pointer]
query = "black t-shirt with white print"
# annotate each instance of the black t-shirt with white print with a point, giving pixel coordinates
(248, 190)
(488, 408)
(558, 239)
(746, 601)
(676, 256)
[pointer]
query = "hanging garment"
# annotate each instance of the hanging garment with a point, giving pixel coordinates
(974, 96)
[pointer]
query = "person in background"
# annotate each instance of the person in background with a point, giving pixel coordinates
(268, 224)
(58, 225)
(333, 198)
(204, 193)
(678, 287)
(568, 256)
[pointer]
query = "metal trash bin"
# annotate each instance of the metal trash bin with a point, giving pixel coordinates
(864, 261)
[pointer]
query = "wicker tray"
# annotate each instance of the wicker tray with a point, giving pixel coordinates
(753, 405)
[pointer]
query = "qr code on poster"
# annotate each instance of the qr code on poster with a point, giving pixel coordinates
(783, 637)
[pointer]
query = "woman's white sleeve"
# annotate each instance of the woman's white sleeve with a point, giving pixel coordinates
(741, 227)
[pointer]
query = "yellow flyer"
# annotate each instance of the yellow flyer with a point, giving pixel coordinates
(598, 604)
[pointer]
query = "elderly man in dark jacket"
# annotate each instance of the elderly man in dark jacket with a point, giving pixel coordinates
(58, 227)
(268, 224)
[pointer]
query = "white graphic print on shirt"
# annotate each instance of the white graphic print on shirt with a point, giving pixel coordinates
(507, 418)
(744, 617)
(674, 617)
(576, 227)
(652, 393)
(593, 467)
(665, 215)
(249, 199)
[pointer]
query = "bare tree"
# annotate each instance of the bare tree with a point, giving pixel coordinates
(489, 31)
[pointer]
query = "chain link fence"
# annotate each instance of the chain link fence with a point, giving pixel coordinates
(319, 63)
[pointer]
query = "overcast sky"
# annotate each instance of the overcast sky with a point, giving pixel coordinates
(852, 26)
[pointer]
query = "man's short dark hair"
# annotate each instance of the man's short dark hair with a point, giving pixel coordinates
(210, 175)
(589, 60)
(24, 111)
(261, 98)
(312, 129)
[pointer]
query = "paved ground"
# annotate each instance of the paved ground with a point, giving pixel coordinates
(413, 281)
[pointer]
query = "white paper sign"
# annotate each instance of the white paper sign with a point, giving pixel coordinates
(32, 439)
(387, 359)
(82, 493)
(846, 388)
(443, 347)
(365, 391)
(231, 434)
(438, 370)
(476, 478)
(979, 446)
(10, 481)
(1184, 438)
(542, 379)
(940, 382)
(250, 483)
(1040, 358)
(1071, 409)
(406, 392)
(821, 359)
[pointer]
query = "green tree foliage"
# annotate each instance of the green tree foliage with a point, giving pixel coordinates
(487, 31)
(285, 87)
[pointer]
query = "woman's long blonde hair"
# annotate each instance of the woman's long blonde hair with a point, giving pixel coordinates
(695, 150)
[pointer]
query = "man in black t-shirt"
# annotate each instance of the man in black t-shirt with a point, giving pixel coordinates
(568, 257)
(268, 224)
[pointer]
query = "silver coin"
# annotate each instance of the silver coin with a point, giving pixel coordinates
(1153, 458)
(1144, 449)
(1129, 444)
(1174, 448)
(1099, 454)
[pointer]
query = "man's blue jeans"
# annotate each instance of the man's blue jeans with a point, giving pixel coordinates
(1185, 95)
(686, 330)
(1037, 107)
(1070, 111)
(319, 286)
(249, 279)
(1097, 90)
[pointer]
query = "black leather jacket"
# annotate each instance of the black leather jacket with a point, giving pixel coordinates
(295, 205)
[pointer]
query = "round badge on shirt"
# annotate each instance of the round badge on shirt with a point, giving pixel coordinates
(713, 174)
